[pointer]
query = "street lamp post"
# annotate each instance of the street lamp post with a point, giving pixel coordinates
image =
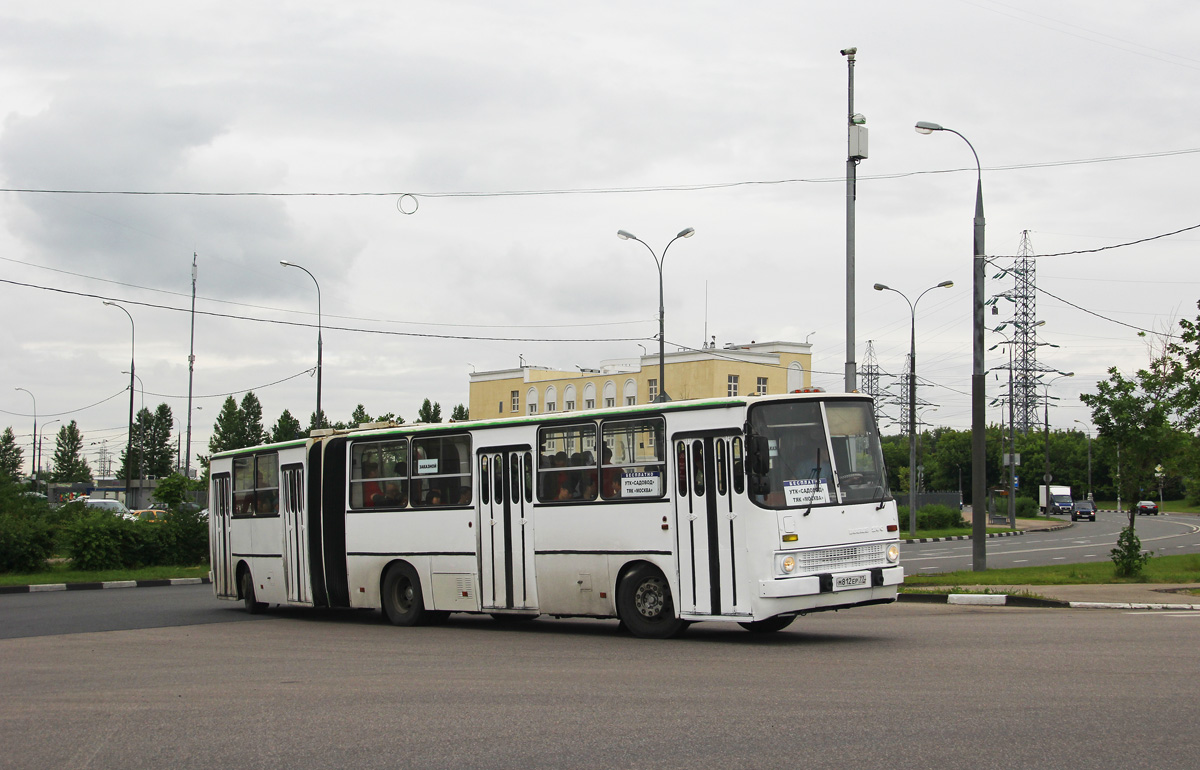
(141, 439)
(978, 384)
(662, 340)
(33, 441)
(1046, 402)
(912, 399)
(41, 452)
(320, 415)
(129, 437)
(1088, 429)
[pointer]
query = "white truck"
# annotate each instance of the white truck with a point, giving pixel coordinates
(1052, 499)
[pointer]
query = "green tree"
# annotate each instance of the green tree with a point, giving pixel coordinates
(10, 456)
(360, 416)
(286, 428)
(173, 490)
(69, 465)
(153, 453)
(460, 414)
(429, 412)
(252, 418)
(1134, 414)
(238, 427)
(227, 430)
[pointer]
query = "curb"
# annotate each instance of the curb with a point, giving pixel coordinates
(1063, 525)
(1006, 600)
(39, 588)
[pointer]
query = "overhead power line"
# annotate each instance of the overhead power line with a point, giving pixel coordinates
(324, 326)
(586, 190)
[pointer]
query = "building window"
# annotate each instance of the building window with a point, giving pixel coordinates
(569, 406)
(610, 401)
(533, 408)
(732, 389)
(589, 403)
(550, 406)
(653, 390)
(516, 401)
(762, 386)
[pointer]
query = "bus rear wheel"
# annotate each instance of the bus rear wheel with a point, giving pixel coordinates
(645, 606)
(402, 602)
(253, 606)
(769, 625)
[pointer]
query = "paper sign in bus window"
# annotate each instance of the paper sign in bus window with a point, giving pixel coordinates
(806, 492)
(640, 485)
(425, 467)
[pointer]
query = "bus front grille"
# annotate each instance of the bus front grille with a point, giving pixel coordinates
(851, 557)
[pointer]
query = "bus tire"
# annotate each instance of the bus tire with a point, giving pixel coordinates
(645, 606)
(769, 625)
(403, 604)
(253, 606)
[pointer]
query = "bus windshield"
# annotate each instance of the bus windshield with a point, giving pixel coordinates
(817, 453)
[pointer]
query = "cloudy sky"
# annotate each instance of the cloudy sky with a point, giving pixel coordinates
(526, 134)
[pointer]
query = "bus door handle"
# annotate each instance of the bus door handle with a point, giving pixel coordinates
(692, 517)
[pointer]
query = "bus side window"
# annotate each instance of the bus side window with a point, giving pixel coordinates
(698, 466)
(485, 480)
(739, 480)
(681, 466)
(722, 468)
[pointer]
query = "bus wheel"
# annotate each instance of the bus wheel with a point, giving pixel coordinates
(770, 625)
(402, 601)
(253, 606)
(645, 606)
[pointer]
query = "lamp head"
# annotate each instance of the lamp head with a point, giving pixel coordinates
(285, 263)
(925, 127)
(849, 51)
(625, 235)
(945, 284)
(688, 233)
(881, 287)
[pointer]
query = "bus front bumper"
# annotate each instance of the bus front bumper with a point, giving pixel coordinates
(833, 582)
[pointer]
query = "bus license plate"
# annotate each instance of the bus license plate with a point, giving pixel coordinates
(850, 581)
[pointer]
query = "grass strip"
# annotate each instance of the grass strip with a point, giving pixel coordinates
(1183, 568)
(62, 573)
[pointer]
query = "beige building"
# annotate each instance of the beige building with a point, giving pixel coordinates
(735, 370)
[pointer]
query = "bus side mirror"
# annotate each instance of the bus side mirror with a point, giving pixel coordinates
(758, 455)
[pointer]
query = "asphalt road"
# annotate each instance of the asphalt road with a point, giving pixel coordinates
(897, 686)
(1085, 541)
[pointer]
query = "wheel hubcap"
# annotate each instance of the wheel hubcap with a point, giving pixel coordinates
(649, 599)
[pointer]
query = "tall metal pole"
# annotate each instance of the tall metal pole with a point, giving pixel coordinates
(33, 441)
(1012, 448)
(851, 192)
(662, 339)
(978, 383)
(187, 458)
(320, 420)
(129, 437)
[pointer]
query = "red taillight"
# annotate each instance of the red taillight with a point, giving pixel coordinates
(893, 527)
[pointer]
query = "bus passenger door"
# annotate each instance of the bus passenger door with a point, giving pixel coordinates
(295, 533)
(709, 530)
(220, 510)
(506, 529)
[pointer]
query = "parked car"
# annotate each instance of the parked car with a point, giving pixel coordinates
(152, 515)
(1083, 509)
(115, 507)
(1147, 508)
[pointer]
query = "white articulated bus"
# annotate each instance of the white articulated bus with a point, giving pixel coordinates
(751, 510)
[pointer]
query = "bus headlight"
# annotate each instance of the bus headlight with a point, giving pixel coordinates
(893, 553)
(788, 564)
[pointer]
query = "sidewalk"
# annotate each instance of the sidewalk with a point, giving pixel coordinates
(1137, 596)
